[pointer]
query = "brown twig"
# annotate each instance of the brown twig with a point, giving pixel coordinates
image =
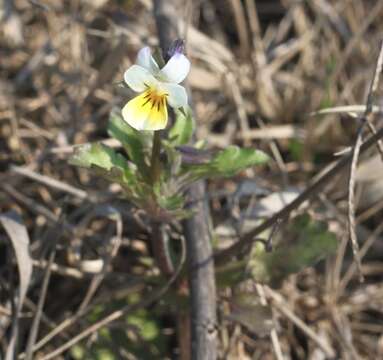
(201, 279)
(351, 201)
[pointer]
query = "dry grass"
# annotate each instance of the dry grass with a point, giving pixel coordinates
(259, 70)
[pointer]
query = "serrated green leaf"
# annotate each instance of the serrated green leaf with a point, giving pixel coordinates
(133, 141)
(183, 128)
(228, 162)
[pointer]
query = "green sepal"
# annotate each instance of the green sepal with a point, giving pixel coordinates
(173, 161)
(183, 128)
(171, 203)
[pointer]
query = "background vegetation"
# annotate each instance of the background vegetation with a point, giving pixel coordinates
(259, 71)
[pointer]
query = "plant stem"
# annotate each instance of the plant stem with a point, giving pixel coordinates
(155, 164)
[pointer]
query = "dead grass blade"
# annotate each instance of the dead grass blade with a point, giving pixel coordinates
(55, 184)
(39, 311)
(18, 235)
(280, 305)
(355, 156)
(352, 110)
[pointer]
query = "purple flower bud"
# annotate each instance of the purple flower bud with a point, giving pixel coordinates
(193, 156)
(177, 47)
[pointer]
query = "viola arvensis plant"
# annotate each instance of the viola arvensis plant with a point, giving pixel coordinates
(153, 169)
(157, 87)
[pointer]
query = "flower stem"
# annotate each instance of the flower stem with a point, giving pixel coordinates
(159, 237)
(155, 164)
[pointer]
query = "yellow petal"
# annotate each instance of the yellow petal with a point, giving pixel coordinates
(147, 111)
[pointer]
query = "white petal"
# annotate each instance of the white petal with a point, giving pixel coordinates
(176, 69)
(139, 78)
(146, 60)
(177, 96)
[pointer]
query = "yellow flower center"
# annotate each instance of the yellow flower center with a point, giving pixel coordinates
(154, 97)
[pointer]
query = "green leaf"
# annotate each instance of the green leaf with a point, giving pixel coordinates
(148, 328)
(96, 154)
(310, 241)
(183, 128)
(171, 203)
(102, 157)
(228, 162)
(133, 141)
(234, 159)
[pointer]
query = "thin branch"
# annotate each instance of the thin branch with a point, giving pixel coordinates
(351, 201)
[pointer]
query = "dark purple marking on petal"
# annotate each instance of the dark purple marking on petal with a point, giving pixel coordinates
(145, 102)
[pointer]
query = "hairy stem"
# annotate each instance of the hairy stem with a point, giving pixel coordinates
(159, 236)
(155, 164)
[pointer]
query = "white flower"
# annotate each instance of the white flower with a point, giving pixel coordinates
(157, 88)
